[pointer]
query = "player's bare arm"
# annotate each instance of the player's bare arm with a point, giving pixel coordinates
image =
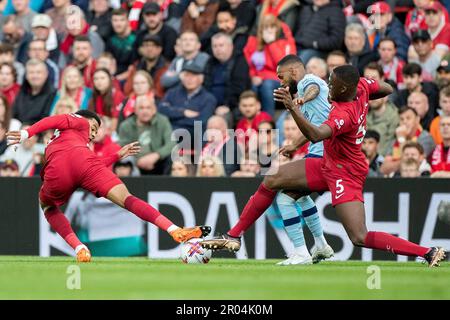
(385, 90)
(312, 91)
(310, 131)
(288, 150)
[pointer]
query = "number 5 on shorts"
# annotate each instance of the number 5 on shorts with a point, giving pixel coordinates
(339, 186)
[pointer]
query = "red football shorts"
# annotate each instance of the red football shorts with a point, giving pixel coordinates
(78, 168)
(343, 186)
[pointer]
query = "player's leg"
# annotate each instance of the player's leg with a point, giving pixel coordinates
(293, 226)
(352, 216)
(290, 176)
(120, 195)
(321, 249)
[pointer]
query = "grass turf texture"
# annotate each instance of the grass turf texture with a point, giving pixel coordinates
(140, 278)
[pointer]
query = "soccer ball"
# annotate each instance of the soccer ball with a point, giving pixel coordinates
(192, 252)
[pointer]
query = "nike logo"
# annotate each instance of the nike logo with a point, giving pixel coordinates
(338, 196)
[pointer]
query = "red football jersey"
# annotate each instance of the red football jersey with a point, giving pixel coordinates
(72, 131)
(347, 120)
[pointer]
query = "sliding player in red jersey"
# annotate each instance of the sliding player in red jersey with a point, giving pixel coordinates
(70, 164)
(342, 170)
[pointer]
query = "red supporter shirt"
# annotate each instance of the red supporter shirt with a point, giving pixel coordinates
(250, 127)
(347, 120)
(440, 159)
(443, 37)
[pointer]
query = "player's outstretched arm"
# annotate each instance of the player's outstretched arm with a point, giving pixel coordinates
(384, 90)
(310, 131)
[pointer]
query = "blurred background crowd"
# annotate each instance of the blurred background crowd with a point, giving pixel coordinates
(149, 68)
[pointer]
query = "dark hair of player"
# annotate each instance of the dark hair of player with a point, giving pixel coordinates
(411, 69)
(406, 109)
(348, 75)
(372, 134)
(290, 59)
(88, 114)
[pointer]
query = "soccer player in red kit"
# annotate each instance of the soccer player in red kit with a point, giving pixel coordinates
(342, 170)
(70, 164)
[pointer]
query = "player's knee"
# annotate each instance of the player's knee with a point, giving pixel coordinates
(358, 238)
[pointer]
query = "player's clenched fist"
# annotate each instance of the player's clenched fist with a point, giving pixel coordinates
(130, 149)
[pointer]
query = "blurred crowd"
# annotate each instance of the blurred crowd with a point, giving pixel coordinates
(155, 70)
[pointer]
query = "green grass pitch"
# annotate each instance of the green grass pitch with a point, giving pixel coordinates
(141, 278)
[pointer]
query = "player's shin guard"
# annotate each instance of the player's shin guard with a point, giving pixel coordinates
(387, 242)
(146, 212)
(61, 225)
(254, 208)
(291, 219)
(311, 217)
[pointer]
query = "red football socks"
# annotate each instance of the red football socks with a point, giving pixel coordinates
(61, 225)
(146, 212)
(254, 208)
(387, 242)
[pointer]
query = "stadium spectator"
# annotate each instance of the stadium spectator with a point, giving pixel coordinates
(72, 86)
(22, 13)
(7, 122)
(58, 15)
(42, 30)
(83, 59)
(409, 168)
(182, 167)
(391, 64)
(123, 168)
(252, 116)
(107, 61)
(154, 24)
(189, 102)
(151, 62)
(9, 168)
(267, 147)
(415, 18)
(65, 105)
(285, 10)
(199, 16)
(248, 168)
(291, 134)
(226, 75)
(425, 55)
(419, 102)
(77, 28)
(28, 156)
(370, 147)
(36, 95)
(16, 36)
(373, 71)
(9, 87)
(440, 158)
(37, 50)
(153, 131)
(243, 10)
(191, 54)
(443, 73)
(121, 42)
(103, 143)
(318, 67)
(335, 59)
(414, 150)
(105, 98)
(358, 49)
(384, 119)
(320, 29)
(142, 86)
(409, 130)
(7, 56)
(444, 103)
(220, 144)
(3, 140)
(210, 166)
(387, 25)
(99, 18)
(438, 27)
(413, 82)
(226, 22)
(273, 41)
